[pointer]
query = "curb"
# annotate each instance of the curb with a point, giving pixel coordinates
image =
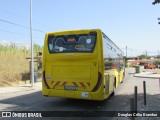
(21, 88)
(29, 81)
(147, 76)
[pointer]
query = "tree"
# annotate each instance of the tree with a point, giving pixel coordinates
(37, 48)
(156, 63)
(142, 56)
(158, 56)
(156, 2)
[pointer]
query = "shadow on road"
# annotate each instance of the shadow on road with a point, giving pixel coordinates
(36, 102)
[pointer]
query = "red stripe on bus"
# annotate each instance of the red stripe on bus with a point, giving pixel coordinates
(75, 84)
(57, 83)
(64, 83)
(52, 82)
(88, 84)
(82, 84)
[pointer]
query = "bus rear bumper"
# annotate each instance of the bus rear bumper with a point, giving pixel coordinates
(74, 94)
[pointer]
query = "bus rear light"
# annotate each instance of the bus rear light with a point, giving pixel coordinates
(99, 82)
(44, 80)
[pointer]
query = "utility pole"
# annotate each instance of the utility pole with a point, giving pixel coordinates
(126, 51)
(32, 54)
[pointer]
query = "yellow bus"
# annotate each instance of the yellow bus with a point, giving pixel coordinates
(81, 64)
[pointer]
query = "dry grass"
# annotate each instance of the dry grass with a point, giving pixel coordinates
(12, 65)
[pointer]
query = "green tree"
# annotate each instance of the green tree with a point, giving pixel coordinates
(142, 56)
(37, 48)
(158, 56)
(125, 61)
(156, 2)
(156, 63)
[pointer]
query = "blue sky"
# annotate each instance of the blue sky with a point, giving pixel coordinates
(127, 23)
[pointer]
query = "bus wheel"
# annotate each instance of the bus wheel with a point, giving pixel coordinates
(114, 92)
(114, 89)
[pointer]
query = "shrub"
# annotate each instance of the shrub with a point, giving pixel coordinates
(156, 63)
(14, 63)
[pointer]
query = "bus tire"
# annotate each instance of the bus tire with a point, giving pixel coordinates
(114, 89)
(114, 92)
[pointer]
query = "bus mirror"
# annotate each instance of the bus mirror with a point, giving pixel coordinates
(39, 53)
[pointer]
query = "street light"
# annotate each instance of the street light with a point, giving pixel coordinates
(32, 62)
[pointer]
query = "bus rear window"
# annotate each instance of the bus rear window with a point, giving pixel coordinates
(72, 43)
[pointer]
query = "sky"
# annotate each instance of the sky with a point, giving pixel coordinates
(127, 23)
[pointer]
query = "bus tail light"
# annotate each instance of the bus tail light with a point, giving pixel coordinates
(99, 82)
(44, 80)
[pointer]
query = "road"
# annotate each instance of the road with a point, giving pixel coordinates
(33, 100)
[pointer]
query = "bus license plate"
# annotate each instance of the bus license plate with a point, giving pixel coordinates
(70, 87)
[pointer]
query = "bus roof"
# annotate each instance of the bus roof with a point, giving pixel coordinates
(74, 30)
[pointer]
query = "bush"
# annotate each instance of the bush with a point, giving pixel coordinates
(141, 63)
(13, 63)
(156, 63)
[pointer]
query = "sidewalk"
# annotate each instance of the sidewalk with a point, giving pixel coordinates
(147, 75)
(152, 94)
(21, 88)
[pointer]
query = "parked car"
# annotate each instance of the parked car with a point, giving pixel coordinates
(149, 66)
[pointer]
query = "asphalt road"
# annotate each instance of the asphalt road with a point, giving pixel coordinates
(34, 101)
